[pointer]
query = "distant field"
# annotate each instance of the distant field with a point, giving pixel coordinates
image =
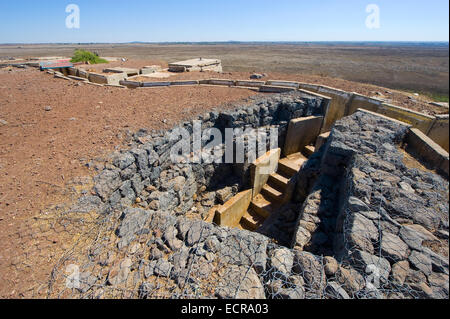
(418, 68)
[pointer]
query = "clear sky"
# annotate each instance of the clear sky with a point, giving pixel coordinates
(31, 21)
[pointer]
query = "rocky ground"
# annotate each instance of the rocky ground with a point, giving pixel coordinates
(371, 228)
(51, 129)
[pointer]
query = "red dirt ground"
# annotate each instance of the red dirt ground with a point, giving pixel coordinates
(40, 151)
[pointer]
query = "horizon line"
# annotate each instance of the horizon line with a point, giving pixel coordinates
(232, 42)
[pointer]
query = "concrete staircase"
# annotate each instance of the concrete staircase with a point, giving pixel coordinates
(277, 192)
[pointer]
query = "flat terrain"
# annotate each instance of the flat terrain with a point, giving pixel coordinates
(43, 151)
(420, 68)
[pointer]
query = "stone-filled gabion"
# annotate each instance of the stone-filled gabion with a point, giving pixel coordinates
(367, 225)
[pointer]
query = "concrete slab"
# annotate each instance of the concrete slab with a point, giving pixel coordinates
(246, 83)
(322, 139)
(262, 168)
(150, 69)
(291, 84)
(130, 84)
(77, 78)
(154, 84)
(230, 214)
(439, 131)
(428, 150)
(302, 132)
(113, 78)
(128, 71)
(275, 89)
(221, 82)
(175, 83)
(199, 64)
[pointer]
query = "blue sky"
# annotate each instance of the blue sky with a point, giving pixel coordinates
(40, 21)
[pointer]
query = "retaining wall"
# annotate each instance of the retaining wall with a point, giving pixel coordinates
(336, 103)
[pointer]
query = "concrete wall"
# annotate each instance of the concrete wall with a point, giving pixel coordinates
(428, 150)
(291, 84)
(418, 120)
(302, 132)
(107, 79)
(230, 214)
(439, 131)
(336, 103)
(362, 102)
(261, 169)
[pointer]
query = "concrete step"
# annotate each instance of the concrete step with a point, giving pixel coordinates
(251, 221)
(290, 165)
(309, 150)
(262, 206)
(272, 194)
(278, 181)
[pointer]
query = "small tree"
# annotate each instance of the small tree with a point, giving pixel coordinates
(86, 56)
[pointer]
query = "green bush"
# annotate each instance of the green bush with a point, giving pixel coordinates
(86, 56)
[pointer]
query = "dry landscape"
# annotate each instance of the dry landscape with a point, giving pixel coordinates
(414, 67)
(51, 130)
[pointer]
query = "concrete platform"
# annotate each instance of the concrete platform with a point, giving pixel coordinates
(128, 71)
(199, 64)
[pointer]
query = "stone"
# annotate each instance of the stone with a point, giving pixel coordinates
(87, 281)
(366, 260)
(162, 268)
(406, 187)
(421, 261)
(124, 160)
(224, 194)
(335, 291)
(439, 263)
(350, 280)
(133, 221)
(149, 269)
(119, 274)
(245, 248)
(421, 290)
(240, 282)
(212, 244)
(256, 76)
(439, 284)
(107, 182)
(331, 266)
(194, 234)
(308, 266)
(393, 248)
(400, 271)
(414, 235)
(145, 290)
(356, 205)
(87, 204)
(302, 237)
(361, 233)
(282, 261)
(48, 108)
(155, 253)
(292, 293)
(170, 236)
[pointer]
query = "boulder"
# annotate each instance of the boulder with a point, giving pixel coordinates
(393, 248)
(240, 282)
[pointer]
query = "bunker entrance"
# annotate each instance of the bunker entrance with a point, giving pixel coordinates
(266, 195)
